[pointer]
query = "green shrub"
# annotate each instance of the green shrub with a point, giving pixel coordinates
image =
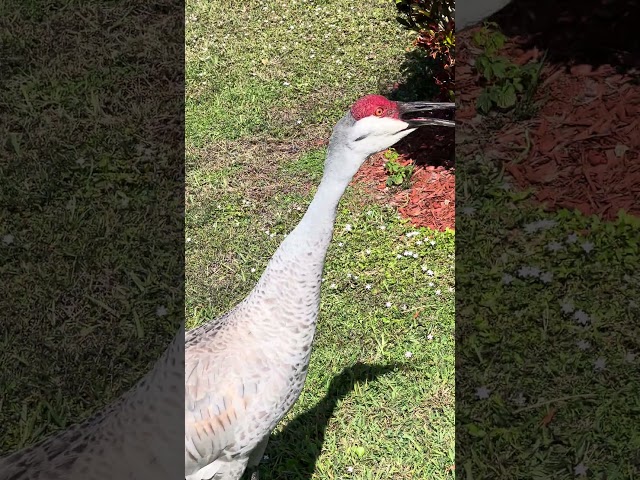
(506, 85)
(434, 21)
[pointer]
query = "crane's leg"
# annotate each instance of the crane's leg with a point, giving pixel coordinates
(256, 457)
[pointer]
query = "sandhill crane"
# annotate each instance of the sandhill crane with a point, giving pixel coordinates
(245, 370)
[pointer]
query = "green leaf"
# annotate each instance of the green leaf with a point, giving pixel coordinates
(484, 102)
(475, 431)
(499, 68)
(359, 451)
(507, 97)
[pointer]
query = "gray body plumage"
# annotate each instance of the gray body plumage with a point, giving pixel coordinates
(125, 441)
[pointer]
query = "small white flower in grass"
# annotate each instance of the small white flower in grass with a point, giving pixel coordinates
(583, 345)
(483, 393)
(573, 238)
(432, 242)
(349, 275)
(587, 247)
(407, 253)
(341, 244)
(348, 228)
(355, 277)
(333, 285)
(430, 284)
(408, 354)
(388, 304)
(382, 227)
(419, 242)
(286, 84)
(398, 256)
(161, 311)
(429, 337)
(350, 469)
(369, 212)
(599, 364)
(451, 289)
(272, 235)
(507, 278)
(580, 469)
(554, 246)
(567, 306)
(188, 239)
(253, 270)
(368, 286)
(404, 307)
(525, 272)
(581, 317)
(8, 239)
(438, 292)
(630, 357)
(415, 255)
(368, 251)
(546, 277)
(533, 227)
(468, 210)
(430, 273)
(298, 122)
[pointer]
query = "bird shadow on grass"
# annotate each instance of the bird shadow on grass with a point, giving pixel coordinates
(294, 451)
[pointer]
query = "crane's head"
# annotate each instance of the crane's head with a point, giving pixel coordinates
(375, 123)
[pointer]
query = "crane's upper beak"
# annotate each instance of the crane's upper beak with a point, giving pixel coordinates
(417, 114)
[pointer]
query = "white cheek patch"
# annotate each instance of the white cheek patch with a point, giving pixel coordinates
(380, 127)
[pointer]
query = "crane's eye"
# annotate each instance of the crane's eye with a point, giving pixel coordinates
(379, 112)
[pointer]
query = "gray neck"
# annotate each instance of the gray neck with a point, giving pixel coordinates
(295, 270)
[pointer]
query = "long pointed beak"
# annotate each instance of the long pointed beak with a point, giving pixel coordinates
(418, 114)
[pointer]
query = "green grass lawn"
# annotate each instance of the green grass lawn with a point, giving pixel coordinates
(547, 378)
(547, 337)
(265, 84)
(90, 204)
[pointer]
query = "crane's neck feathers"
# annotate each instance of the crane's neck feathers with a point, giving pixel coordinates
(293, 275)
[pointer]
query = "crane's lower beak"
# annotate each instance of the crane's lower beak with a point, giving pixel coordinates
(417, 114)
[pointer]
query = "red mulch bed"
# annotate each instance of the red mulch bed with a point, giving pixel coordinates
(583, 150)
(584, 140)
(430, 200)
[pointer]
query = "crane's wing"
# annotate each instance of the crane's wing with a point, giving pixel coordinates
(219, 389)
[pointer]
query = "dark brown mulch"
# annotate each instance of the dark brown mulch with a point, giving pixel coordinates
(584, 142)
